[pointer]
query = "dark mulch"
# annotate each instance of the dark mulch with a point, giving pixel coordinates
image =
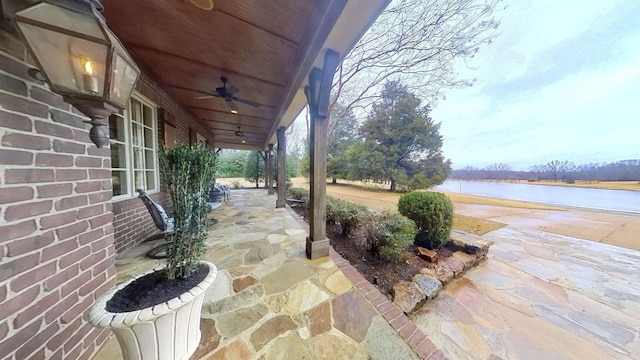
(153, 289)
(382, 273)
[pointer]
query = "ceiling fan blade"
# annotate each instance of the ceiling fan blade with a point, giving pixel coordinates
(231, 90)
(232, 105)
(206, 97)
(245, 101)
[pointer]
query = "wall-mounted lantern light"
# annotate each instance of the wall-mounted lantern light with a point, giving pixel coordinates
(79, 56)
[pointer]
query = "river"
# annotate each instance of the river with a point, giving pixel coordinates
(613, 200)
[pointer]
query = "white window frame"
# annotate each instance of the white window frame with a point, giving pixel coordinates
(129, 147)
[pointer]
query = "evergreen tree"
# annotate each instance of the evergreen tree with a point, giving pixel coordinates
(401, 144)
(254, 168)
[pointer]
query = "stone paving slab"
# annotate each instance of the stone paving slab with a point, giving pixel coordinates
(540, 296)
(270, 302)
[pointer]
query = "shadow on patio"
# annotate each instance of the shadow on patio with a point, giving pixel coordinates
(270, 302)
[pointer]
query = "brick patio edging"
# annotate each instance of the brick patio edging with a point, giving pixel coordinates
(414, 337)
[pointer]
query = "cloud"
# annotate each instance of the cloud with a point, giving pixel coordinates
(551, 90)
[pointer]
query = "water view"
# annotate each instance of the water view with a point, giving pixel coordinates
(614, 200)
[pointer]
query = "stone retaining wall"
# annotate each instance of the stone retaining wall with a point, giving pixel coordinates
(469, 251)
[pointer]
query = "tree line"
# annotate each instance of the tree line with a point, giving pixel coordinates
(555, 170)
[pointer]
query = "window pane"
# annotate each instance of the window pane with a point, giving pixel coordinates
(148, 138)
(139, 180)
(116, 128)
(148, 116)
(118, 156)
(135, 112)
(138, 158)
(119, 180)
(150, 159)
(136, 134)
(151, 180)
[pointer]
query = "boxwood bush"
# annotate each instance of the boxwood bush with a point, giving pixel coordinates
(389, 234)
(433, 214)
(299, 194)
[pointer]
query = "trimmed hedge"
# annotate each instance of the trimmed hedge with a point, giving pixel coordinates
(432, 213)
(389, 234)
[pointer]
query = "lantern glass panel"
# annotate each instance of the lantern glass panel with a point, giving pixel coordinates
(124, 79)
(82, 23)
(73, 65)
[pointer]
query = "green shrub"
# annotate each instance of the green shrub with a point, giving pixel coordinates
(332, 210)
(389, 234)
(349, 215)
(299, 194)
(432, 213)
(189, 172)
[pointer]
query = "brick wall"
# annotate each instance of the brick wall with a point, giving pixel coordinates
(132, 222)
(56, 235)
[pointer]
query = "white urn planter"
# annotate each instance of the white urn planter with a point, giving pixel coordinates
(170, 330)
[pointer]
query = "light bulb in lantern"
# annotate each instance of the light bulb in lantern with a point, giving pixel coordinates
(90, 82)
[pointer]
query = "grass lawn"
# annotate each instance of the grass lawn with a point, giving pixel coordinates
(377, 197)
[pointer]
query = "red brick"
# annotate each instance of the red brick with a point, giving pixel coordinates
(15, 231)
(103, 152)
(54, 160)
(87, 161)
(58, 340)
(15, 121)
(392, 314)
(67, 118)
(68, 147)
(8, 346)
(101, 220)
(56, 311)
(37, 341)
(76, 310)
(15, 194)
(18, 283)
(60, 277)
(16, 303)
(36, 310)
(407, 330)
(13, 85)
(88, 350)
(70, 174)
(103, 265)
(101, 244)
(4, 330)
(384, 307)
(379, 301)
(415, 339)
(103, 196)
(15, 157)
(437, 355)
(90, 186)
(72, 230)
(75, 353)
(75, 284)
(23, 106)
(425, 348)
(55, 190)
(57, 355)
(59, 248)
(24, 141)
(11, 66)
(3, 293)
(88, 237)
(38, 355)
(17, 212)
(90, 211)
(54, 221)
(48, 97)
(71, 202)
(53, 129)
(29, 244)
(74, 257)
(21, 176)
(92, 285)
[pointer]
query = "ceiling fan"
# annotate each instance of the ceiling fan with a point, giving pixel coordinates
(228, 94)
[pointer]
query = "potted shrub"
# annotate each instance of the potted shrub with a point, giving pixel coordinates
(157, 314)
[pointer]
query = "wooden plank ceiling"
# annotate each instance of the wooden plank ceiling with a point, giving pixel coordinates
(258, 45)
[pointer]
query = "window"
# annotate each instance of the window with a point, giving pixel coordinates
(134, 162)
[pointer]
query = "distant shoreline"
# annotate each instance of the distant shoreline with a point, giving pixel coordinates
(606, 185)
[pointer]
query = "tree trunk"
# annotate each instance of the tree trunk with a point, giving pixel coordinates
(334, 180)
(393, 186)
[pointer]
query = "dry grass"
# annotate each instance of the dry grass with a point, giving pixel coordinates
(377, 198)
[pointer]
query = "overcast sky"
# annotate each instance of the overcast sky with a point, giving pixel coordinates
(562, 81)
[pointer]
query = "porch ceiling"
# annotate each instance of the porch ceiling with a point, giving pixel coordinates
(265, 48)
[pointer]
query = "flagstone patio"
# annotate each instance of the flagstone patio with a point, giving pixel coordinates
(270, 302)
